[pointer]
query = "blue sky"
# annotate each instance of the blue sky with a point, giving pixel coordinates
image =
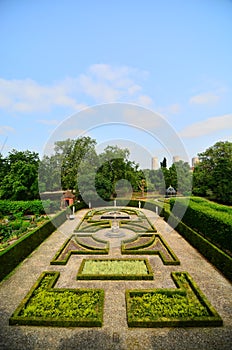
(172, 57)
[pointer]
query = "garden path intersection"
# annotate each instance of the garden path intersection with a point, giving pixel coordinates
(115, 333)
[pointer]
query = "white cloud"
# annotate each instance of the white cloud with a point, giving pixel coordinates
(6, 129)
(208, 126)
(205, 98)
(29, 96)
(102, 83)
(106, 83)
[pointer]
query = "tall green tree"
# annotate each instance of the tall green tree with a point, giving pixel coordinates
(21, 178)
(212, 176)
(60, 170)
(180, 177)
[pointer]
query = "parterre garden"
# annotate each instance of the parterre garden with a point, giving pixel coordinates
(184, 305)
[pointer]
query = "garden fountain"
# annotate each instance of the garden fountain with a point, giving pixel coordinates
(115, 229)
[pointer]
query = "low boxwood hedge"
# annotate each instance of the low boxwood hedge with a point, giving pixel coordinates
(45, 305)
(80, 249)
(185, 306)
(115, 272)
(148, 248)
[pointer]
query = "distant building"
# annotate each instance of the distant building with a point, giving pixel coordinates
(195, 160)
(67, 199)
(175, 159)
(154, 163)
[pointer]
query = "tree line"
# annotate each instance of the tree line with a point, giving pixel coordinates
(76, 166)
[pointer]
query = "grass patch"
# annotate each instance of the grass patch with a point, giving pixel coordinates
(115, 269)
(185, 306)
(48, 306)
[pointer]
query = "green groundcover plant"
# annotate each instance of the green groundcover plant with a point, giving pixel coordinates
(185, 306)
(45, 305)
(115, 269)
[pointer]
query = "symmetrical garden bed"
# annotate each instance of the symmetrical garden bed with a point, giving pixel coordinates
(150, 244)
(185, 306)
(48, 306)
(93, 221)
(115, 269)
(81, 244)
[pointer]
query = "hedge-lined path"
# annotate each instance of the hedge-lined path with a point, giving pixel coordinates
(115, 334)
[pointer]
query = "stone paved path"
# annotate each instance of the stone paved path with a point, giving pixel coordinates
(115, 334)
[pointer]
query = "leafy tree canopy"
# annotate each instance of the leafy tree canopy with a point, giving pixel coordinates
(212, 176)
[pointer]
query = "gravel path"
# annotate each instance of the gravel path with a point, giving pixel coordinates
(115, 333)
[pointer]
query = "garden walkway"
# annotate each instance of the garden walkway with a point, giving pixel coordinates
(115, 334)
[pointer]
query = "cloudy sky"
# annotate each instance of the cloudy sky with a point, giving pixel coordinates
(60, 57)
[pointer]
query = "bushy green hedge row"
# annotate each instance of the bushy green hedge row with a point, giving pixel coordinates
(45, 305)
(18, 251)
(213, 221)
(85, 249)
(36, 207)
(185, 306)
(213, 254)
(146, 248)
(114, 275)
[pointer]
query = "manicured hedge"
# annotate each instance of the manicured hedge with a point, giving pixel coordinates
(146, 248)
(114, 275)
(213, 254)
(84, 249)
(213, 221)
(45, 305)
(185, 306)
(18, 251)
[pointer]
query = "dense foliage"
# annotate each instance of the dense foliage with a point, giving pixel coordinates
(75, 165)
(213, 175)
(35, 207)
(178, 176)
(68, 304)
(48, 306)
(19, 175)
(212, 220)
(186, 306)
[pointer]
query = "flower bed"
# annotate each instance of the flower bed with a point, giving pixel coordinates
(48, 306)
(115, 269)
(185, 306)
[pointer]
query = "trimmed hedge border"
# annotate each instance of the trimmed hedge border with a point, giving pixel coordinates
(213, 318)
(139, 249)
(212, 253)
(86, 250)
(208, 219)
(17, 319)
(148, 276)
(18, 251)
